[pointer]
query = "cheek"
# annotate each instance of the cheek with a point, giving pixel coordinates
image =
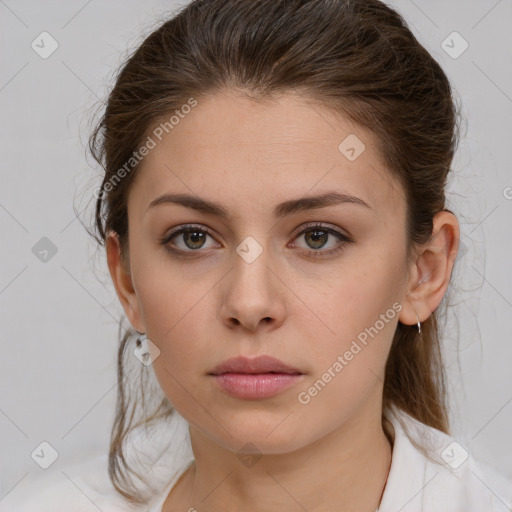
(357, 308)
(166, 292)
(171, 308)
(173, 324)
(349, 363)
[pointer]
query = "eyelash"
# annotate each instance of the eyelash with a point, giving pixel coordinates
(343, 240)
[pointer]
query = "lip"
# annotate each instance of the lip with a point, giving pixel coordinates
(260, 364)
(256, 378)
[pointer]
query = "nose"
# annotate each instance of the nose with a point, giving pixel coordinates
(252, 294)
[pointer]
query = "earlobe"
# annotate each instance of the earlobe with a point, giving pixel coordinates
(430, 275)
(122, 281)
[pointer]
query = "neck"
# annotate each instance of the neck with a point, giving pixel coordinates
(345, 470)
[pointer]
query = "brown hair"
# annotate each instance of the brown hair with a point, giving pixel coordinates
(359, 58)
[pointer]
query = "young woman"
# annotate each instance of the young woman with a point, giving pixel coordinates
(273, 213)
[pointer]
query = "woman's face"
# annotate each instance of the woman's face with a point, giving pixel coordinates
(260, 279)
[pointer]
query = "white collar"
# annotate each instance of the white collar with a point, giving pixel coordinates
(447, 479)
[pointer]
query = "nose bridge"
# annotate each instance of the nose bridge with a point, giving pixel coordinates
(250, 294)
(251, 268)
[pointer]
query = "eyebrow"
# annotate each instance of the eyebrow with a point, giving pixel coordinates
(281, 210)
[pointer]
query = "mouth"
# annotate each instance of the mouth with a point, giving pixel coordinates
(255, 379)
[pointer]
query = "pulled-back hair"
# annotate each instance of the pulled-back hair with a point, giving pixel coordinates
(360, 59)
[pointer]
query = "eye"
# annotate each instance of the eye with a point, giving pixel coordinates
(190, 237)
(317, 235)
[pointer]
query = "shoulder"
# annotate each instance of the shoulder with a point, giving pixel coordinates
(78, 487)
(447, 478)
(156, 451)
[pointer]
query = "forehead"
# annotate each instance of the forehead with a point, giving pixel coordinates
(283, 147)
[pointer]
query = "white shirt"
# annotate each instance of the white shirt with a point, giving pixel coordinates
(453, 482)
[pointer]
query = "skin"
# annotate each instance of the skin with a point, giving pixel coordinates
(331, 454)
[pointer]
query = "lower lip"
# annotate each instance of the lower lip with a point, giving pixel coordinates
(255, 385)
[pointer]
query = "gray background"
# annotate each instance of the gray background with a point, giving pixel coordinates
(59, 317)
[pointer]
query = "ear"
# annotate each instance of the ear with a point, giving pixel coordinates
(123, 282)
(430, 274)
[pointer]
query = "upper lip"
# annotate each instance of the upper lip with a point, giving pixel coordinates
(260, 364)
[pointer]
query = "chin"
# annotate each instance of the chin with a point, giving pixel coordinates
(273, 432)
